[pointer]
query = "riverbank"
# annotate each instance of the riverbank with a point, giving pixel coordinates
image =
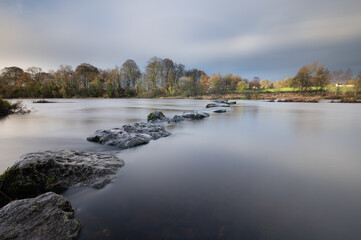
(261, 94)
(314, 95)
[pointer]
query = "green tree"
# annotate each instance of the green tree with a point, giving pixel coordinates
(321, 77)
(85, 73)
(287, 82)
(265, 84)
(186, 87)
(358, 83)
(254, 84)
(66, 81)
(303, 78)
(130, 73)
(168, 74)
(277, 84)
(215, 82)
(242, 86)
(11, 75)
(195, 75)
(153, 73)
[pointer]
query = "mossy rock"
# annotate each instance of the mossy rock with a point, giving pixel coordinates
(156, 116)
(24, 183)
(37, 173)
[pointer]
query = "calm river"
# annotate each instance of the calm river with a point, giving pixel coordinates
(260, 171)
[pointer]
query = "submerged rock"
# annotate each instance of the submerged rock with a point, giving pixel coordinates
(130, 135)
(43, 101)
(49, 216)
(195, 115)
(40, 172)
(220, 110)
(212, 105)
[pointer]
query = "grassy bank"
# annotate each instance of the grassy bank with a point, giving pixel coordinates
(7, 108)
(286, 94)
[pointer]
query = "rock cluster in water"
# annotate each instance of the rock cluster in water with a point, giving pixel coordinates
(219, 106)
(48, 216)
(135, 134)
(130, 135)
(37, 173)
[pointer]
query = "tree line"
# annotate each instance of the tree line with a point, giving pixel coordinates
(162, 77)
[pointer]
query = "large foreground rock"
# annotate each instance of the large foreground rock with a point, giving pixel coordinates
(37, 173)
(130, 135)
(49, 216)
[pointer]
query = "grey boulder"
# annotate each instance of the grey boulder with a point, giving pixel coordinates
(177, 118)
(48, 216)
(195, 115)
(130, 135)
(40, 172)
(159, 117)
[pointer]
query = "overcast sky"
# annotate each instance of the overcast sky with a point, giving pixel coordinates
(269, 39)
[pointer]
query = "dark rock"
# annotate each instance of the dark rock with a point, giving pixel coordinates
(37, 173)
(225, 101)
(177, 118)
(43, 101)
(220, 110)
(130, 135)
(195, 115)
(156, 117)
(212, 105)
(49, 216)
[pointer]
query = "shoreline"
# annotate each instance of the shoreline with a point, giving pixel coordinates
(256, 95)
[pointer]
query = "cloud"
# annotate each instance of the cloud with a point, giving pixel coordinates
(214, 35)
(309, 33)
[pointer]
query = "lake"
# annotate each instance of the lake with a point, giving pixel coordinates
(260, 171)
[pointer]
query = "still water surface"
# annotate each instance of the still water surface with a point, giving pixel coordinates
(260, 171)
